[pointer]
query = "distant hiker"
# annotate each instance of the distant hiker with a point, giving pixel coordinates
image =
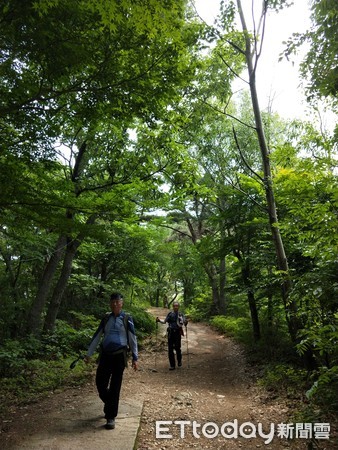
(175, 320)
(118, 333)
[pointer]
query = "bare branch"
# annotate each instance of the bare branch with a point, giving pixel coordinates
(228, 115)
(235, 186)
(231, 69)
(243, 159)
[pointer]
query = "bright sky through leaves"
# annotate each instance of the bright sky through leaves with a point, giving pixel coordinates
(276, 81)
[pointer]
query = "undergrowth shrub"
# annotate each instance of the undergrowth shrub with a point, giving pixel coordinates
(14, 354)
(144, 322)
(283, 379)
(200, 308)
(281, 370)
(274, 346)
(236, 327)
(65, 340)
(31, 367)
(323, 392)
(37, 378)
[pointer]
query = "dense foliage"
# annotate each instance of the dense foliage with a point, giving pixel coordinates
(127, 165)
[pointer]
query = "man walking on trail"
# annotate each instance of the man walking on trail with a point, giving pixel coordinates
(175, 320)
(118, 332)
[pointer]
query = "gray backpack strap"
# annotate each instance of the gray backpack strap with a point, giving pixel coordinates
(125, 322)
(105, 319)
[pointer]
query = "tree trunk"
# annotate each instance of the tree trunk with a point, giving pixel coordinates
(282, 264)
(45, 284)
(72, 246)
(12, 274)
(222, 283)
(217, 282)
(222, 273)
(270, 310)
(212, 275)
(35, 316)
(254, 315)
(188, 290)
(60, 287)
(246, 277)
(157, 298)
(103, 279)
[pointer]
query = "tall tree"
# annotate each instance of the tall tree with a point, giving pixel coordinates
(251, 51)
(248, 45)
(79, 80)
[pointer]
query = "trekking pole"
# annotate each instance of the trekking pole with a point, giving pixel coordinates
(73, 364)
(156, 344)
(156, 329)
(186, 338)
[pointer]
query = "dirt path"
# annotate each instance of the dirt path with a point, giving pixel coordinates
(214, 386)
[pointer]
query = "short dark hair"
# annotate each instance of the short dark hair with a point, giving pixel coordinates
(116, 296)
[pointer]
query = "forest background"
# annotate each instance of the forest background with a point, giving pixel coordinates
(128, 163)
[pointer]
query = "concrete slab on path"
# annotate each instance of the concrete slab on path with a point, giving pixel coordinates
(70, 429)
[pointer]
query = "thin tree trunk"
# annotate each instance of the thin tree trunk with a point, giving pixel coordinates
(157, 297)
(246, 277)
(212, 275)
(103, 278)
(13, 274)
(214, 279)
(222, 283)
(270, 310)
(222, 274)
(254, 315)
(290, 307)
(132, 295)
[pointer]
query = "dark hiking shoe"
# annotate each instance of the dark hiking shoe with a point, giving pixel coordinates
(171, 368)
(110, 425)
(179, 364)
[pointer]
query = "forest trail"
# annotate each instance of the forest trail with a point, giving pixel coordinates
(215, 385)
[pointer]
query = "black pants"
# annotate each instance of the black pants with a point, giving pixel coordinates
(109, 376)
(174, 344)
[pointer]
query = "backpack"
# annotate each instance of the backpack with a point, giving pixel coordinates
(125, 323)
(180, 321)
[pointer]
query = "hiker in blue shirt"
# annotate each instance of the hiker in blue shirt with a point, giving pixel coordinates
(118, 333)
(175, 320)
